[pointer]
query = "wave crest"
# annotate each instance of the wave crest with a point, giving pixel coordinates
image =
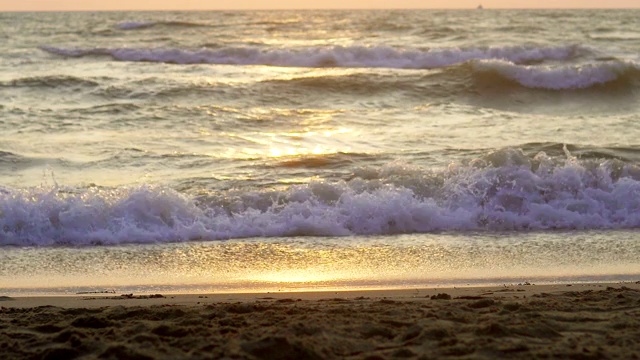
(338, 56)
(563, 77)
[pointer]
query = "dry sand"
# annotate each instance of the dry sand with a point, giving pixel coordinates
(579, 321)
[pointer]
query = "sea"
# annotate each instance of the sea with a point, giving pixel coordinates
(264, 151)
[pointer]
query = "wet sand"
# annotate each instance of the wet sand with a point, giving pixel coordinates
(580, 321)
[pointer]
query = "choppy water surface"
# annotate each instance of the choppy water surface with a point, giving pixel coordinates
(132, 130)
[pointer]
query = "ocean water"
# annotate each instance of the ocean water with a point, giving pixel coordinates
(302, 150)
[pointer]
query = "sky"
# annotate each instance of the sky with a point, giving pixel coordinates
(67, 5)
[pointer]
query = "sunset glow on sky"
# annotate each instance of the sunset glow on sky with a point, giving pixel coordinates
(66, 5)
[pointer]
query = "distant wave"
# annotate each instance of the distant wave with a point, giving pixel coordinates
(613, 35)
(352, 56)
(14, 161)
(505, 190)
(353, 84)
(49, 81)
(467, 79)
(7, 157)
(562, 77)
(137, 25)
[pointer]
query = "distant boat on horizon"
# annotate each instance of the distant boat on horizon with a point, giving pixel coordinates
(480, 7)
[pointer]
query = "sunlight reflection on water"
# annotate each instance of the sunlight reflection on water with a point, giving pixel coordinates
(306, 264)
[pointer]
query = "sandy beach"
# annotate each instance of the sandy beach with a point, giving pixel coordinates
(579, 321)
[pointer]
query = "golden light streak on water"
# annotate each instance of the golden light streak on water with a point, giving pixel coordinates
(288, 264)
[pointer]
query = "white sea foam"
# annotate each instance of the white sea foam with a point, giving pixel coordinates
(352, 56)
(504, 191)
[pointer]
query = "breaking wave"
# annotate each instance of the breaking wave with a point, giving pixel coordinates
(505, 190)
(352, 56)
(552, 68)
(561, 77)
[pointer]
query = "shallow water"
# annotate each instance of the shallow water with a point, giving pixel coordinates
(152, 133)
(304, 264)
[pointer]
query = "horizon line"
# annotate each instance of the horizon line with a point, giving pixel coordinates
(318, 9)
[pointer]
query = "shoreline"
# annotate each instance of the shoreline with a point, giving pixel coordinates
(599, 320)
(113, 298)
